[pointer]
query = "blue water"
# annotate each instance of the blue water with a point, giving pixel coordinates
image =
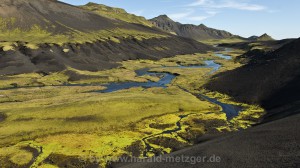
(227, 57)
(163, 82)
(166, 78)
(230, 110)
(223, 56)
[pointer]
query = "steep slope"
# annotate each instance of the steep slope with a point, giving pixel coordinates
(271, 80)
(48, 21)
(251, 45)
(48, 35)
(199, 33)
(274, 144)
(116, 13)
(52, 16)
(163, 22)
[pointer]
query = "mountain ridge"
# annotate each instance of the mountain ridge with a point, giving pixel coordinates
(200, 32)
(263, 37)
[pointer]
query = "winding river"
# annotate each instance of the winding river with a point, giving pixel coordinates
(166, 78)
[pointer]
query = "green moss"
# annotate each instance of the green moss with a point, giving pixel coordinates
(21, 158)
(38, 35)
(161, 48)
(116, 13)
(220, 41)
(66, 50)
(33, 79)
(16, 155)
(250, 115)
(111, 124)
(75, 121)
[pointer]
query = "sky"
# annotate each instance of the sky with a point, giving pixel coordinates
(278, 18)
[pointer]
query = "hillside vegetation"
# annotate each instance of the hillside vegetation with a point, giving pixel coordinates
(46, 36)
(56, 29)
(116, 13)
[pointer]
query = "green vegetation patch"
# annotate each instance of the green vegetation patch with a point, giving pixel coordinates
(116, 13)
(78, 122)
(220, 41)
(36, 35)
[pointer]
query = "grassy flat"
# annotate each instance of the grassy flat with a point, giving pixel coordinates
(75, 122)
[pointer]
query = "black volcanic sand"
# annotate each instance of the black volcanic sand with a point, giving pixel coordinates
(2, 117)
(274, 144)
(271, 80)
(93, 57)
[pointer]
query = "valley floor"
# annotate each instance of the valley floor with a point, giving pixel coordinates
(59, 119)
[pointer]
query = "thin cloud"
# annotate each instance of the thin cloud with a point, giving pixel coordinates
(212, 13)
(201, 2)
(231, 4)
(203, 17)
(190, 15)
(210, 8)
(198, 18)
(178, 16)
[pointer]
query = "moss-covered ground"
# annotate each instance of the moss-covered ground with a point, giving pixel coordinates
(220, 41)
(44, 123)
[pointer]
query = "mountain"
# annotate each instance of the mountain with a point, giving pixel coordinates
(116, 13)
(48, 36)
(163, 22)
(199, 33)
(262, 45)
(252, 38)
(264, 37)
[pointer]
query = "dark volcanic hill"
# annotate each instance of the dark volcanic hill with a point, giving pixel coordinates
(48, 35)
(264, 37)
(199, 33)
(271, 80)
(52, 15)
